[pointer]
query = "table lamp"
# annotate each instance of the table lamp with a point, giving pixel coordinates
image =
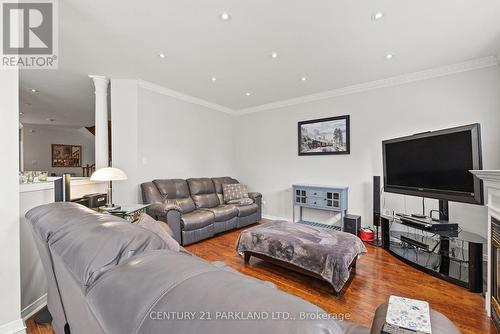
(108, 174)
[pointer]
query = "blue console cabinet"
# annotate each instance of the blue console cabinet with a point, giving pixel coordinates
(321, 197)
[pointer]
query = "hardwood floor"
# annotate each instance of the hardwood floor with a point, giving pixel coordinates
(378, 275)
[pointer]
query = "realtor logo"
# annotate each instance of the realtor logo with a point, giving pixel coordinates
(29, 34)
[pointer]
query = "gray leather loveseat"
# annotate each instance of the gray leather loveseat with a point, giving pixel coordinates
(108, 276)
(194, 208)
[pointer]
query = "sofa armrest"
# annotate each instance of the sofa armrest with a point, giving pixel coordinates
(254, 195)
(169, 213)
(257, 199)
(159, 210)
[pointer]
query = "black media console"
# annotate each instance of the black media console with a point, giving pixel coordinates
(437, 248)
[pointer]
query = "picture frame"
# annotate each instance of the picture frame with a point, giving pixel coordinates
(324, 136)
(66, 155)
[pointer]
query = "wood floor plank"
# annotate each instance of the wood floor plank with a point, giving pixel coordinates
(378, 275)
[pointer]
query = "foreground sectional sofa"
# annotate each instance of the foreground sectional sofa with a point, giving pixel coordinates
(106, 275)
(194, 208)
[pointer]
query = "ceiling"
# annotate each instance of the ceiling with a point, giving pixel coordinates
(332, 43)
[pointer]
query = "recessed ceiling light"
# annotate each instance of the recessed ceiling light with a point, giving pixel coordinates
(214, 79)
(162, 55)
(378, 16)
(248, 93)
(21, 113)
(303, 79)
(274, 55)
(225, 16)
(33, 90)
(389, 56)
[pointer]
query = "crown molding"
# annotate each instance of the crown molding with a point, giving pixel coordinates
(470, 65)
(183, 97)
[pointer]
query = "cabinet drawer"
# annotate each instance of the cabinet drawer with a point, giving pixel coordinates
(316, 201)
(315, 193)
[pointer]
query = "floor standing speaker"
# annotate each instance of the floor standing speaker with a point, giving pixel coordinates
(376, 208)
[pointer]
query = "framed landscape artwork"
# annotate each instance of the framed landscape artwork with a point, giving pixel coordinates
(66, 155)
(324, 136)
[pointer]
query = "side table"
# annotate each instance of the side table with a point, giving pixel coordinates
(439, 323)
(130, 212)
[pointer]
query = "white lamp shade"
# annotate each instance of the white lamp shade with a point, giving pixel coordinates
(108, 174)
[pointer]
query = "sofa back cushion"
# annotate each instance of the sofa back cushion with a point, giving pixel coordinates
(176, 191)
(203, 192)
(150, 193)
(89, 243)
(218, 182)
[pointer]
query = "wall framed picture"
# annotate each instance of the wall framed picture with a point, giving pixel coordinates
(66, 155)
(324, 136)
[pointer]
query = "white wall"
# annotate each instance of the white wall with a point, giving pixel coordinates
(37, 147)
(159, 136)
(10, 308)
(267, 157)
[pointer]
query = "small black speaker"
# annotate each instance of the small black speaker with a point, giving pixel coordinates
(351, 224)
(376, 201)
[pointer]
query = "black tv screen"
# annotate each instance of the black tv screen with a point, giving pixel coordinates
(435, 164)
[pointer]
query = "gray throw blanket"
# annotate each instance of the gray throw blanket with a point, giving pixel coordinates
(324, 252)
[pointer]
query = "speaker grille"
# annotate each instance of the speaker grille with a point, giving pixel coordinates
(376, 200)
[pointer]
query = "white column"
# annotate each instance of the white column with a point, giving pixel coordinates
(101, 120)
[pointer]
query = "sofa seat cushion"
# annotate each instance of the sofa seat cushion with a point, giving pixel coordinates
(197, 219)
(247, 210)
(162, 281)
(223, 212)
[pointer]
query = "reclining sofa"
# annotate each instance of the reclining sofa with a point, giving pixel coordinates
(195, 209)
(108, 276)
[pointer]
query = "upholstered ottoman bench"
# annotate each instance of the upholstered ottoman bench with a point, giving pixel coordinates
(324, 254)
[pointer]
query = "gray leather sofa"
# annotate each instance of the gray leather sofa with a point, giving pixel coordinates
(106, 275)
(194, 208)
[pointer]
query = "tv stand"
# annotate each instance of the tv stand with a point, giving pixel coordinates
(452, 255)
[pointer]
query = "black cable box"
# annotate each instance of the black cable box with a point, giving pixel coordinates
(428, 224)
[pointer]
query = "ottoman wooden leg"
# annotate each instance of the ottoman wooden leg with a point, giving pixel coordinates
(246, 257)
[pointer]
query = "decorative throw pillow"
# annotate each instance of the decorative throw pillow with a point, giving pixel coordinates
(234, 191)
(241, 201)
(160, 228)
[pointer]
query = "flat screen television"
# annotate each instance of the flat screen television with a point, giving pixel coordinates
(435, 164)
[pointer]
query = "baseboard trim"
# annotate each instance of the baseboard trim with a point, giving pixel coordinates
(271, 217)
(13, 327)
(34, 307)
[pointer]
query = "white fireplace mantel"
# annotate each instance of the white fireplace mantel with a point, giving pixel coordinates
(491, 180)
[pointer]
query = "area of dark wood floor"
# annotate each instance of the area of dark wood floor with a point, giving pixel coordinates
(378, 275)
